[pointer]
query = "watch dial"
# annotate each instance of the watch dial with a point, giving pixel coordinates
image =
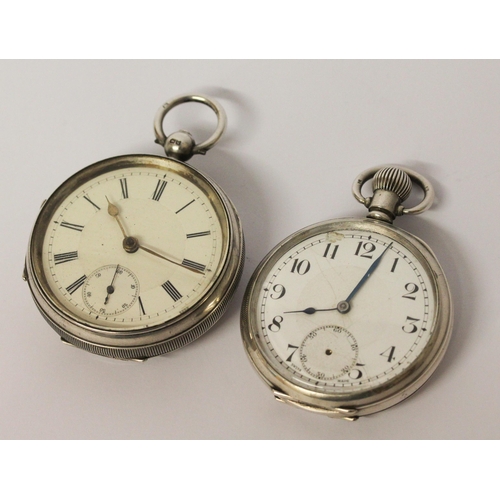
(134, 246)
(344, 311)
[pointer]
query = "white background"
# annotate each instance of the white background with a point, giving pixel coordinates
(298, 134)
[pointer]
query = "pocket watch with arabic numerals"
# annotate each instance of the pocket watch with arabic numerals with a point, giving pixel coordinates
(137, 255)
(350, 316)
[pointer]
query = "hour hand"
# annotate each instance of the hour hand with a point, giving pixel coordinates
(114, 212)
(310, 310)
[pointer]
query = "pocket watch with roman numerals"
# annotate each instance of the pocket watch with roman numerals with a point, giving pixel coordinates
(137, 255)
(349, 317)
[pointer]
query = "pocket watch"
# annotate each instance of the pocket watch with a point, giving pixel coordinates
(350, 316)
(137, 255)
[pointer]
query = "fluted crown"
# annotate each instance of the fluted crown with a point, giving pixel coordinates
(393, 179)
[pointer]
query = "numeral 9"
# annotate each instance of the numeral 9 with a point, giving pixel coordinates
(280, 291)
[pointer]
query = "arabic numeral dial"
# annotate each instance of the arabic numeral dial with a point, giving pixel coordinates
(346, 310)
(350, 316)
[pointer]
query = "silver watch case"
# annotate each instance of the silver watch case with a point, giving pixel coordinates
(359, 403)
(142, 343)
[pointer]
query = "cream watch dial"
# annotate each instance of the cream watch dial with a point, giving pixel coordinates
(344, 311)
(176, 247)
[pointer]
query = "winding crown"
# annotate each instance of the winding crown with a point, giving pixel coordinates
(393, 179)
(391, 186)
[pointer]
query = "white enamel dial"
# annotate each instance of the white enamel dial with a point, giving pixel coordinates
(344, 311)
(158, 233)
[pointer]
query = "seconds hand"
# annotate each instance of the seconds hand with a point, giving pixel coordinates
(110, 289)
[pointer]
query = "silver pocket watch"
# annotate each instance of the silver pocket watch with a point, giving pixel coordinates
(137, 255)
(349, 317)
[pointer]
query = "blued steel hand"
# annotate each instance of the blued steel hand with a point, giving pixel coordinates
(345, 305)
(310, 310)
(365, 277)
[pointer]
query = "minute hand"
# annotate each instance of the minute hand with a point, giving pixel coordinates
(368, 273)
(152, 252)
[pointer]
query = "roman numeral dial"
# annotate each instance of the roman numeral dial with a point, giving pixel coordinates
(134, 247)
(136, 255)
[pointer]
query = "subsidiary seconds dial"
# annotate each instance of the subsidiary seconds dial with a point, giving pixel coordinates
(110, 290)
(328, 352)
